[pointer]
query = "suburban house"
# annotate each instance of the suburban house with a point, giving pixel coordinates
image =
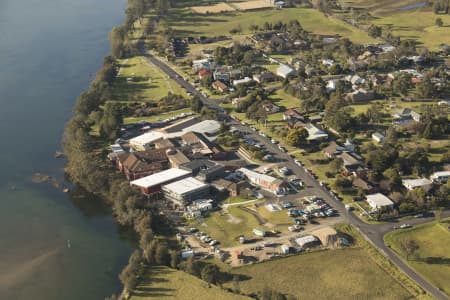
(237, 100)
(270, 107)
(136, 165)
(355, 80)
(272, 184)
(351, 163)
(292, 115)
(440, 177)
(220, 86)
(200, 64)
(186, 190)
(264, 77)
(315, 134)
(204, 169)
(334, 149)
(221, 75)
(285, 71)
(379, 201)
(203, 73)
(360, 95)
(327, 62)
(152, 184)
(359, 183)
(405, 116)
(378, 137)
(422, 183)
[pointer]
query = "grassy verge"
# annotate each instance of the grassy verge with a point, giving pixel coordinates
(432, 259)
(166, 283)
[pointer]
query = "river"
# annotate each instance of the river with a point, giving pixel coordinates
(52, 245)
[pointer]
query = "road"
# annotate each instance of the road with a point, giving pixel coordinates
(372, 232)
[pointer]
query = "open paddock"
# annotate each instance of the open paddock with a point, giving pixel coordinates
(212, 9)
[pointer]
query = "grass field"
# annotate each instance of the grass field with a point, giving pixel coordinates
(340, 274)
(434, 241)
(147, 83)
(185, 23)
(166, 283)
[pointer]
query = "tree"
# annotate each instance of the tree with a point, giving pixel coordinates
(196, 104)
(336, 165)
(297, 137)
(118, 39)
(271, 294)
(162, 254)
(393, 178)
(375, 31)
(427, 131)
(410, 247)
(174, 259)
(111, 121)
(439, 22)
(391, 136)
(210, 273)
(191, 266)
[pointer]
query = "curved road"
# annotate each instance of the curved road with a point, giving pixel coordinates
(372, 233)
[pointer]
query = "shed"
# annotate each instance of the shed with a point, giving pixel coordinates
(327, 236)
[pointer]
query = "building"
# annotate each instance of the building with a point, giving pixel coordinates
(270, 107)
(199, 146)
(292, 115)
(204, 169)
(272, 184)
(176, 158)
(307, 241)
(203, 73)
(152, 184)
(379, 201)
(333, 149)
(405, 116)
(220, 86)
(328, 236)
(143, 141)
(233, 188)
(264, 77)
(245, 80)
(351, 163)
(205, 64)
(359, 183)
(136, 165)
(198, 206)
(378, 137)
(221, 75)
(315, 134)
(440, 177)
(360, 95)
(422, 183)
(285, 71)
(185, 191)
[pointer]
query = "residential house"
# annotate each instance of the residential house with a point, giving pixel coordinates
(360, 95)
(378, 137)
(220, 86)
(440, 177)
(351, 162)
(327, 62)
(203, 73)
(264, 77)
(292, 115)
(422, 183)
(315, 134)
(270, 107)
(359, 183)
(406, 116)
(379, 201)
(136, 165)
(333, 149)
(221, 75)
(205, 64)
(236, 101)
(285, 71)
(355, 79)
(244, 80)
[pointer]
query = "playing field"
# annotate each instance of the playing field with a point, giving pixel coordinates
(336, 274)
(186, 23)
(432, 259)
(211, 9)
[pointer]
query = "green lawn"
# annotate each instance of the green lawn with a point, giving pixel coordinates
(166, 283)
(337, 274)
(186, 23)
(148, 83)
(434, 241)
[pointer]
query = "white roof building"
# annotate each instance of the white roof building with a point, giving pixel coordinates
(378, 200)
(285, 71)
(378, 137)
(242, 81)
(142, 141)
(306, 240)
(206, 127)
(160, 178)
(423, 183)
(315, 134)
(441, 176)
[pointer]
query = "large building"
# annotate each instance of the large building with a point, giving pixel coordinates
(136, 165)
(379, 201)
(152, 184)
(143, 141)
(184, 191)
(422, 183)
(204, 169)
(272, 184)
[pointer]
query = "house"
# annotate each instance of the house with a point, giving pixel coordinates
(203, 73)
(205, 64)
(285, 71)
(333, 149)
(379, 201)
(136, 165)
(351, 163)
(270, 107)
(422, 183)
(236, 101)
(440, 177)
(220, 86)
(315, 134)
(152, 184)
(378, 137)
(185, 191)
(221, 75)
(360, 95)
(359, 183)
(327, 62)
(331, 85)
(355, 79)
(204, 169)
(143, 141)
(405, 116)
(292, 115)
(272, 184)
(264, 77)
(245, 80)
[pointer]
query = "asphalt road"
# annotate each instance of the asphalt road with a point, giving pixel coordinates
(373, 233)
